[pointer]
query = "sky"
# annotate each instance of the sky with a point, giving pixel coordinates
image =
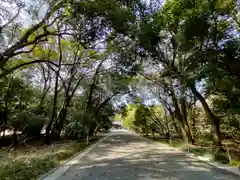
(27, 20)
(24, 17)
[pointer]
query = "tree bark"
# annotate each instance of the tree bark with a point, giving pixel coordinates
(60, 119)
(184, 114)
(89, 101)
(214, 119)
(168, 134)
(174, 121)
(54, 107)
(46, 87)
(92, 128)
(184, 124)
(168, 108)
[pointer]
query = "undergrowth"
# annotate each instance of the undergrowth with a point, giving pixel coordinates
(29, 164)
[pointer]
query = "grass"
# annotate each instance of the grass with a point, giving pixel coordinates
(206, 149)
(29, 163)
(173, 142)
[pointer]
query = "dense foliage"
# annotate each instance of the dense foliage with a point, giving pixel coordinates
(61, 71)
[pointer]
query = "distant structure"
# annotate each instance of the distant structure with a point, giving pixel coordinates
(117, 125)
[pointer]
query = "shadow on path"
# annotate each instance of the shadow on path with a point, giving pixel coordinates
(130, 157)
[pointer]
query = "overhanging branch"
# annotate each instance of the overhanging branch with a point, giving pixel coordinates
(8, 71)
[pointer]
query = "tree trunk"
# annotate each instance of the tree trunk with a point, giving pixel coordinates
(184, 124)
(96, 130)
(87, 139)
(5, 112)
(214, 119)
(174, 121)
(187, 132)
(15, 138)
(60, 122)
(48, 135)
(92, 128)
(5, 120)
(193, 117)
(176, 127)
(168, 134)
(184, 115)
(92, 88)
(54, 108)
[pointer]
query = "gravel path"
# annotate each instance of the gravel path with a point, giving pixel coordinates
(125, 156)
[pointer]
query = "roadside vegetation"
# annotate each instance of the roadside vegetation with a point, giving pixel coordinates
(230, 155)
(32, 161)
(152, 122)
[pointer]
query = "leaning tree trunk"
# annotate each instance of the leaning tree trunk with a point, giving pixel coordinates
(92, 128)
(186, 133)
(61, 118)
(214, 119)
(173, 120)
(5, 113)
(54, 108)
(60, 122)
(184, 115)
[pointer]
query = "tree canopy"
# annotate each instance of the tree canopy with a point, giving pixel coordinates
(67, 67)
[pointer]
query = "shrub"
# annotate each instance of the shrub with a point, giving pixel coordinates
(34, 126)
(221, 157)
(28, 165)
(78, 125)
(74, 129)
(235, 163)
(29, 125)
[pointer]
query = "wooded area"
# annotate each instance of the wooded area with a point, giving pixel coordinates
(68, 66)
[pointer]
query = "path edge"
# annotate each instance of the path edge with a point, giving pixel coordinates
(201, 158)
(58, 171)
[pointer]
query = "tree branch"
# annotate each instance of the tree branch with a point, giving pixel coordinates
(8, 71)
